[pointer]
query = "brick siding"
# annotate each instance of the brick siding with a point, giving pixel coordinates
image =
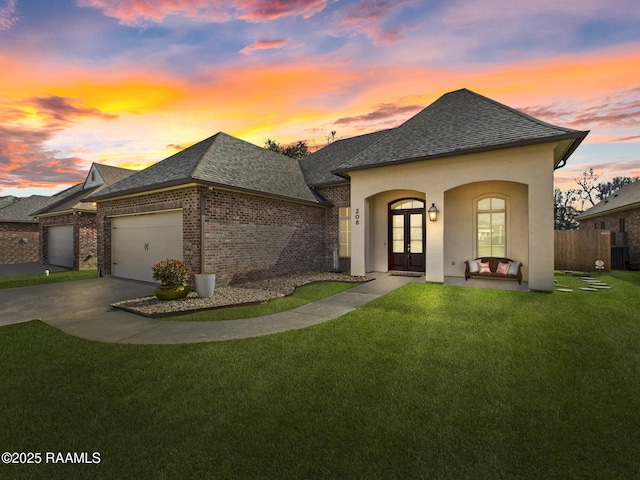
(186, 199)
(19, 243)
(247, 237)
(250, 237)
(85, 238)
(612, 222)
(339, 196)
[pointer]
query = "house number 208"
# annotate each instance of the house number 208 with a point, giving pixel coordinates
(357, 216)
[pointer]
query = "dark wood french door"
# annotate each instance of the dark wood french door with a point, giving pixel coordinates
(407, 240)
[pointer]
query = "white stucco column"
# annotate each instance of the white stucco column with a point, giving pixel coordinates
(359, 226)
(435, 239)
(541, 246)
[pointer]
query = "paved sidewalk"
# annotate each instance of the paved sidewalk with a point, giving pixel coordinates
(116, 326)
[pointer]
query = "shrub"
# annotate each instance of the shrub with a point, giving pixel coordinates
(170, 272)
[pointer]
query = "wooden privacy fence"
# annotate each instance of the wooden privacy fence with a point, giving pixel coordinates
(579, 249)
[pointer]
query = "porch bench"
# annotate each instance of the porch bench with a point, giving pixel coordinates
(514, 272)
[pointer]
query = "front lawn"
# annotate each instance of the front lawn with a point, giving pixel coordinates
(426, 382)
(42, 279)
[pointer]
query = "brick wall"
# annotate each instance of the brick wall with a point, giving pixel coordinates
(612, 222)
(339, 196)
(85, 243)
(250, 237)
(19, 243)
(247, 237)
(186, 199)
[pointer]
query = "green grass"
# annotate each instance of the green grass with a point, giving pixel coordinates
(42, 279)
(302, 295)
(426, 382)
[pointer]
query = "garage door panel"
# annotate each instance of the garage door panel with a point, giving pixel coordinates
(139, 241)
(60, 245)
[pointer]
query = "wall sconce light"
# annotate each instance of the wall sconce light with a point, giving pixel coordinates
(24, 241)
(433, 212)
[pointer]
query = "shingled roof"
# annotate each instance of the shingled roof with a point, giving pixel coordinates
(8, 200)
(73, 198)
(21, 209)
(625, 198)
(317, 167)
(222, 161)
(461, 122)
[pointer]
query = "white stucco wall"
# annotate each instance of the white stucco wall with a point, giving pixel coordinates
(436, 181)
(460, 223)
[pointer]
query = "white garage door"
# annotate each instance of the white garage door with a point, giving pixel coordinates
(139, 241)
(60, 245)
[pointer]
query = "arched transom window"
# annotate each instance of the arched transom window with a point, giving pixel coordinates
(492, 227)
(407, 204)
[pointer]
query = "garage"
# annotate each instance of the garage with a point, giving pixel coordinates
(60, 245)
(139, 241)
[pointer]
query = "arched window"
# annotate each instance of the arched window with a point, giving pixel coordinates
(407, 204)
(491, 227)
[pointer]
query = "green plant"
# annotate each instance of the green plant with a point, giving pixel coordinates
(172, 273)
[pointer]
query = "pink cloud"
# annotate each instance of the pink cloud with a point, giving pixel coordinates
(369, 16)
(615, 114)
(140, 12)
(259, 10)
(7, 14)
(263, 45)
(385, 113)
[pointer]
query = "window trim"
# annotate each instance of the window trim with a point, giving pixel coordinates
(346, 217)
(507, 219)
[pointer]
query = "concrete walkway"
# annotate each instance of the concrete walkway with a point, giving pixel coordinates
(116, 326)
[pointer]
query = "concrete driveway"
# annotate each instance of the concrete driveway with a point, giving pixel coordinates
(11, 270)
(45, 301)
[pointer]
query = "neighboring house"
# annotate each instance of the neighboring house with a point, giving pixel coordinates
(231, 208)
(67, 227)
(19, 240)
(619, 213)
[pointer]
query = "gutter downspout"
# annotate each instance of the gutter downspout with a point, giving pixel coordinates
(203, 222)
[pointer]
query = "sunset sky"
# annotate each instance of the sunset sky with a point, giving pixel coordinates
(129, 82)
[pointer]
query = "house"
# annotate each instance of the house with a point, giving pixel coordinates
(67, 226)
(19, 239)
(620, 214)
(225, 206)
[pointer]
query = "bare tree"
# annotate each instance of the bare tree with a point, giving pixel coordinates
(609, 188)
(587, 182)
(331, 137)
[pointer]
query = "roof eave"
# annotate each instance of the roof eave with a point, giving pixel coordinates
(67, 211)
(609, 211)
(259, 193)
(139, 190)
(14, 220)
(191, 182)
(562, 161)
(470, 151)
(343, 181)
